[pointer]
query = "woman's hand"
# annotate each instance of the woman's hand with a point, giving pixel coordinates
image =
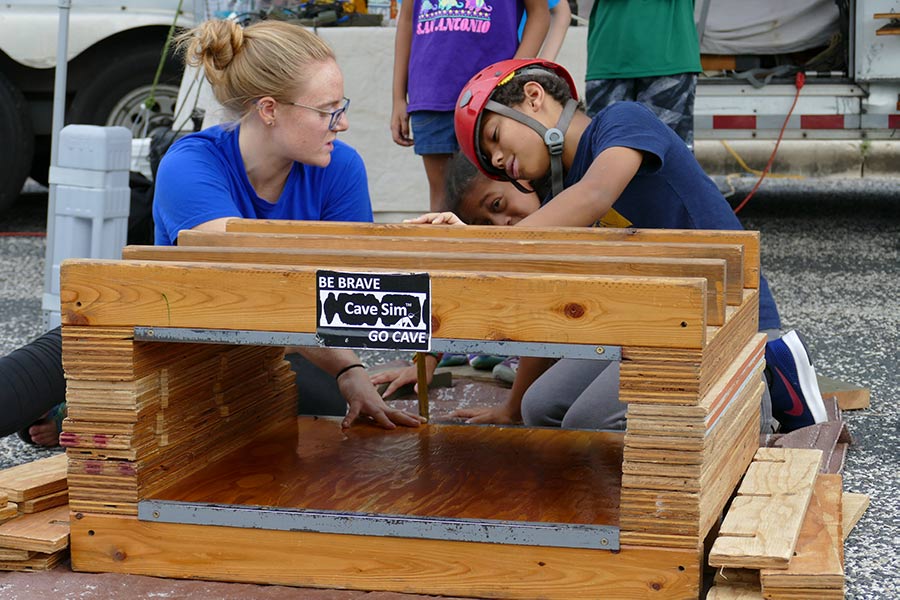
(397, 378)
(436, 218)
(498, 415)
(363, 399)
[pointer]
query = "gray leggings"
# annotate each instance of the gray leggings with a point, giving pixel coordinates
(584, 394)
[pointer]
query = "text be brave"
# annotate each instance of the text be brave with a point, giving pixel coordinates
(349, 282)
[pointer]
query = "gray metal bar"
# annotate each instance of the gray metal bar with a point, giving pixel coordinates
(284, 338)
(520, 533)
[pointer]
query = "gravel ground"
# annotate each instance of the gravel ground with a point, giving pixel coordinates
(832, 255)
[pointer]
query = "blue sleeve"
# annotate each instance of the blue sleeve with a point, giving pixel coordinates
(347, 196)
(633, 125)
(191, 188)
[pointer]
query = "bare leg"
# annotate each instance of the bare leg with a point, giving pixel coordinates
(436, 171)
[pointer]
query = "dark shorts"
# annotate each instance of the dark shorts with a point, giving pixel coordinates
(671, 97)
(433, 132)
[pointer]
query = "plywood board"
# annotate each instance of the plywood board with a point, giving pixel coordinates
(126, 545)
(818, 559)
(31, 480)
(453, 471)
(660, 312)
(734, 592)
(748, 239)
(498, 249)
(763, 523)
(36, 562)
(46, 531)
(44, 502)
(391, 261)
(849, 395)
(853, 508)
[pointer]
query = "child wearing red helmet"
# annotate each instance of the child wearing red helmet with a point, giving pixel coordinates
(520, 120)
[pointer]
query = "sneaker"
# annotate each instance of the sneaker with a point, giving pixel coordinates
(452, 360)
(506, 370)
(484, 362)
(796, 399)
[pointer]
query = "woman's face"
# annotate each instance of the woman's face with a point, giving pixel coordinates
(306, 134)
(490, 202)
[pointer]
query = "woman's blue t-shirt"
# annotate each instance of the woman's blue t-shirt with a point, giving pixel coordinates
(670, 190)
(202, 177)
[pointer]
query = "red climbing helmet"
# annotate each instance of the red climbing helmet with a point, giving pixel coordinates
(476, 95)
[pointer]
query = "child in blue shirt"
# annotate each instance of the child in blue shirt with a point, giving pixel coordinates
(519, 120)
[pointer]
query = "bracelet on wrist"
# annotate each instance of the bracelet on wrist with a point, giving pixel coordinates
(347, 368)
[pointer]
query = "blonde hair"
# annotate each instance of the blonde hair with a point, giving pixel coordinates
(267, 58)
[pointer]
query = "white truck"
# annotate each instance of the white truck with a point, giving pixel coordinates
(114, 51)
(844, 55)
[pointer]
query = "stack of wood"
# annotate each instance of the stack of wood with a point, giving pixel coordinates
(140, 415)
(783, 535)
(34, 515)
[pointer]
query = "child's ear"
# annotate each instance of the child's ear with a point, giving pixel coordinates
(534, 95)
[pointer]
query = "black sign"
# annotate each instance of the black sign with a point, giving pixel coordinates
(374, 310)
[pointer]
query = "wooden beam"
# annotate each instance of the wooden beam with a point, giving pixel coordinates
(748, 239)
(712, 270)
(126, 545)
(659, 312)
(732, 254)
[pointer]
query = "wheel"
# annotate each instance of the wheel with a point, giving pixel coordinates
(116, 93)
(16, 142)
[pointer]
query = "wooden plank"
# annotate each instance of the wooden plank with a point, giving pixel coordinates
(853, 508)
(44, 502)
(661, 312)
(126, 545)
(849, 396)
(571, 476)
(732, 254)
(734, 592)
(46, 531)
(817, 562)
(15, 554)
(36, 562)
(748, 239)
(763, 523)
(37, 478)
(9, 510)
(712, 270)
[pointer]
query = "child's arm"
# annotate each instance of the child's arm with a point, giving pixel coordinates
(402, 43)
(560, 16)
(584, 203)
(536, 27)
(530, 368)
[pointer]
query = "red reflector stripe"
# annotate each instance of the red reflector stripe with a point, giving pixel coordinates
(734, 121)
(893, 121)
(821, 121)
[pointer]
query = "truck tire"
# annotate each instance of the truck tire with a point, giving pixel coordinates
(16, 142)
(115, 94)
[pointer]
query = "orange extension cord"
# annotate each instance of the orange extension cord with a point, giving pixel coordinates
(799, 81)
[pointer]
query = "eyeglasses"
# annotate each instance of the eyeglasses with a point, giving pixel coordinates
(335, 115)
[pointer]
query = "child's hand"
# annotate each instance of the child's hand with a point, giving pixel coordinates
(436, 218)
(400, 124)
(497, 415)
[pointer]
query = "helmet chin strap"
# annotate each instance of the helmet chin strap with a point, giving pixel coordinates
(553, 138)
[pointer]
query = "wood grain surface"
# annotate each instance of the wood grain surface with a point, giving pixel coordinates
(748, 239)
(454, 471)
(614, 310)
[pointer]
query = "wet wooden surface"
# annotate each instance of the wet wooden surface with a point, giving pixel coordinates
(454, 471)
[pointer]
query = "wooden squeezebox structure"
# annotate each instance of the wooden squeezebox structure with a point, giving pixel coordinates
(187, 458)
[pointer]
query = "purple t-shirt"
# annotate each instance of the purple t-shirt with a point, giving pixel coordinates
(454, 39)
